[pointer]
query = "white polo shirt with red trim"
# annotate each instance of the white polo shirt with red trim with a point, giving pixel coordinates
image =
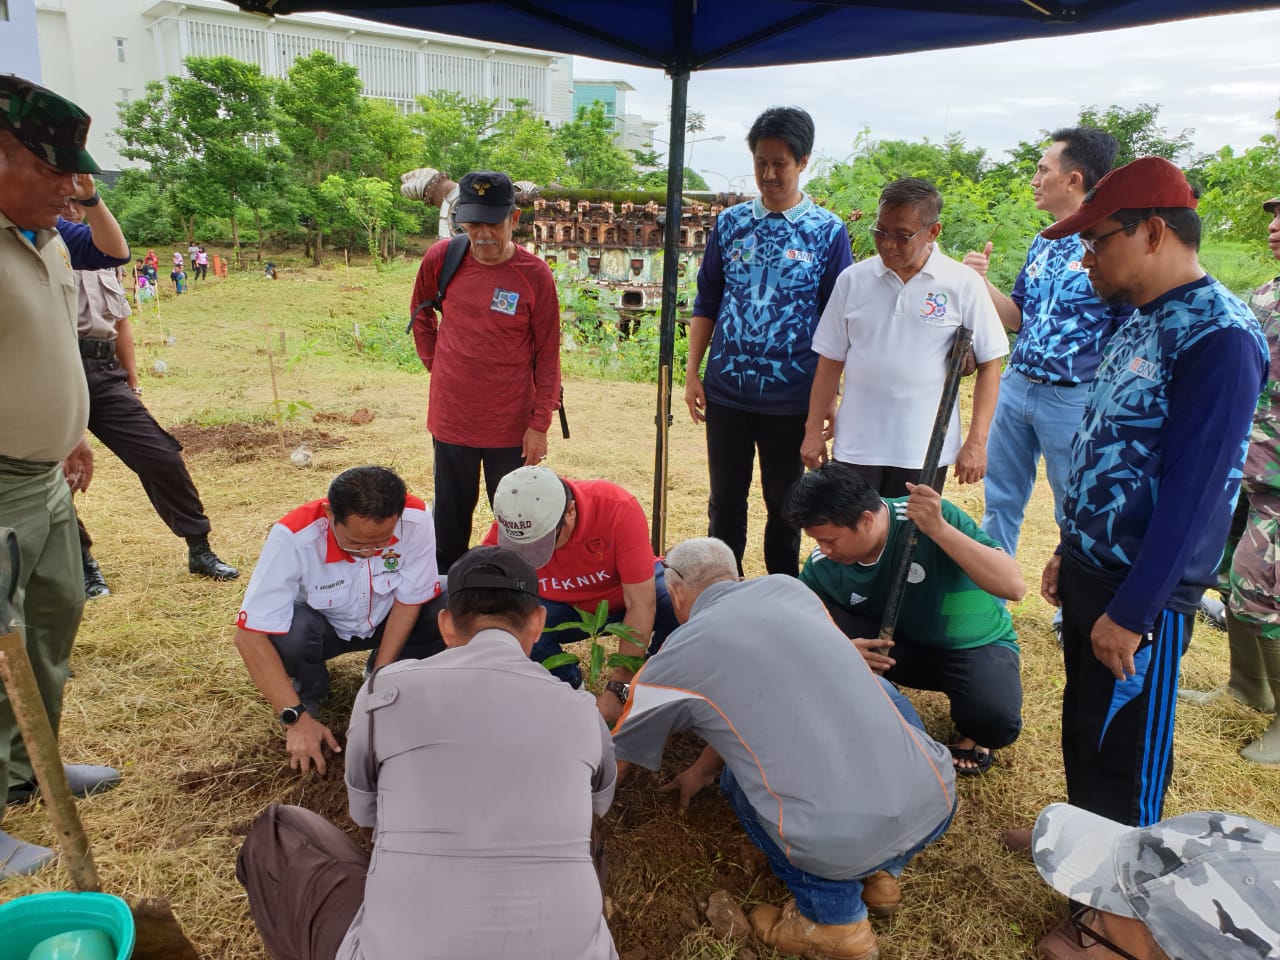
(302, 563)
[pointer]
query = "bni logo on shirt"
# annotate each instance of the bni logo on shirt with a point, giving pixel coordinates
(504, 301)
(1146, 369)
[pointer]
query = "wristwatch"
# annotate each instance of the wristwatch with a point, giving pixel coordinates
(91, 201)
(619, 689)
(291, 715)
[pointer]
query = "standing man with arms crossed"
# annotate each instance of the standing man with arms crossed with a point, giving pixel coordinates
(769, 268)
(1062, 327)
(44, 406)
(1154, 475)
(888, 328)
(493, 356)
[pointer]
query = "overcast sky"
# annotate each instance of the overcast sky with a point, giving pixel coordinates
(1218, 75)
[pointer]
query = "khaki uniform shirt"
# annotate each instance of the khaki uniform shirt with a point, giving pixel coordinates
(103, 304)
(44, 402)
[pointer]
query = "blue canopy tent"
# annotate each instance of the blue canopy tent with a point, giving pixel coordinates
(681, 36)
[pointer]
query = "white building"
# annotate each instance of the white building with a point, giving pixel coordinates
(100, 52)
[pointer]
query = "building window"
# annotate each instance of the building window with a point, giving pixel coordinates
(125, 94)
(120, 49)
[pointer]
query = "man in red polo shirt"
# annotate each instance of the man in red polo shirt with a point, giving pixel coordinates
(589, 541)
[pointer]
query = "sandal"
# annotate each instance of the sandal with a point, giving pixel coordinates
(982, 758)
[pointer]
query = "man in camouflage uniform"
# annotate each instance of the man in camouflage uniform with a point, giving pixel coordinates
(1201, 886)
(1253, 607)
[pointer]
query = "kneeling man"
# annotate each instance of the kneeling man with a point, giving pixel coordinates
(829, 779)
(952, 634)
(350, 572)
(481, 821)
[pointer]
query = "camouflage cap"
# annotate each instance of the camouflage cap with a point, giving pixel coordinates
(1207, 885)
(51, 127)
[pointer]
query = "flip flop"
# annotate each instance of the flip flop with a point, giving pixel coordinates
(983, 759)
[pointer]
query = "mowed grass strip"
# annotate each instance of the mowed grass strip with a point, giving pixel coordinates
(160, 691)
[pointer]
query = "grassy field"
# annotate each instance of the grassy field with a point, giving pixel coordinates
(160, 691)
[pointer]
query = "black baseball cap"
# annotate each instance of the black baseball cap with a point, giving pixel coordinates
(484, 196)
(50, 126)
(492, 568)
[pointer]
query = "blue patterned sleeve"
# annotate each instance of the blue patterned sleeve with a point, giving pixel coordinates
(839, 256)
(1215, 389)
(710, 277)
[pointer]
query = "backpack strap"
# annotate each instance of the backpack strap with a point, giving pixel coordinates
(458, 246)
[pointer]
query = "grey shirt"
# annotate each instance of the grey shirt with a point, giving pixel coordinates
(839, 780)
(486, 771)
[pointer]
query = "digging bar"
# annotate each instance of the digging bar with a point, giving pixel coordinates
(947, 403)
(159, 934)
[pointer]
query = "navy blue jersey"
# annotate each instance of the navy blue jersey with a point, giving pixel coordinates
(764, 281)
(1156, 465)
(1064, 324)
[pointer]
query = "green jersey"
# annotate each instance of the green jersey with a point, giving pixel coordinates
(942, 607)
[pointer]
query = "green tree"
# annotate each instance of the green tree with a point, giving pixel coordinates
(524, 147)
(1234, 188)
(150, 132)
(594, 160)
(454, 132)
(319, 105)
(1135, 128)
(368, 201)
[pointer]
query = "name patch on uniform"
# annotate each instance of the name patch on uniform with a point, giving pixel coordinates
(1146, 369)
(806, 255)
(504, 301)
(934, 308)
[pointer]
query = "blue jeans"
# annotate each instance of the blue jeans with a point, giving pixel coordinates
(664, 621)
(1030, 419)
(818, 898)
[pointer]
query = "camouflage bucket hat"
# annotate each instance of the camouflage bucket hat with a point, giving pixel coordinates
(51, 127)
(1207, 885)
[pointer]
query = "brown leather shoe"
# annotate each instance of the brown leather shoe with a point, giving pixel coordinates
(881, 894)
(787, 931)
(1017, 839)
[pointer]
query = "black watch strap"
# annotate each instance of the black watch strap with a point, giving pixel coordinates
(92, 201)
(291, 715)
(619, 689)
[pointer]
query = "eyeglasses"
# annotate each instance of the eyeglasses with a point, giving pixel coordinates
(884, 236)
(1087, 937)
(364, 551)
(667, 566)
(1091, 245)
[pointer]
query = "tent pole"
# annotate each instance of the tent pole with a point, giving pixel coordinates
(670, 281)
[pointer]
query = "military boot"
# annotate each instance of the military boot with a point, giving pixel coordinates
(1266, 749)
(203, 561)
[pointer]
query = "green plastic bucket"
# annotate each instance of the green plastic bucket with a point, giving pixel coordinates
(30, 920)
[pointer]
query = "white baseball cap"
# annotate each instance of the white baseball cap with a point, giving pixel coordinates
(528, 505)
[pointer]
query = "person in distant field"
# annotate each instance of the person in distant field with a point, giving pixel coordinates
(202, 263)
(888, 329)
(118, 418)
(44, 408)
(589, 541)
(953, 633)
(493, 351)
(1200, 886)
(1062, 327)
(354, 571)
(769, 268)
(480, 775)
(826, 766)
(1155, 471)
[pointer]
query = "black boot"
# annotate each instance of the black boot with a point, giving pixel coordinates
(95, 584)
(202, 560)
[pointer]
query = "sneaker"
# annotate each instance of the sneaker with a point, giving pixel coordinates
(203, 561)
(84, 780)
(19, 858)
(95, 584)
(881, 894)
(788, 931)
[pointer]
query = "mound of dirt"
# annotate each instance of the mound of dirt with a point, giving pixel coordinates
(248, 441)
